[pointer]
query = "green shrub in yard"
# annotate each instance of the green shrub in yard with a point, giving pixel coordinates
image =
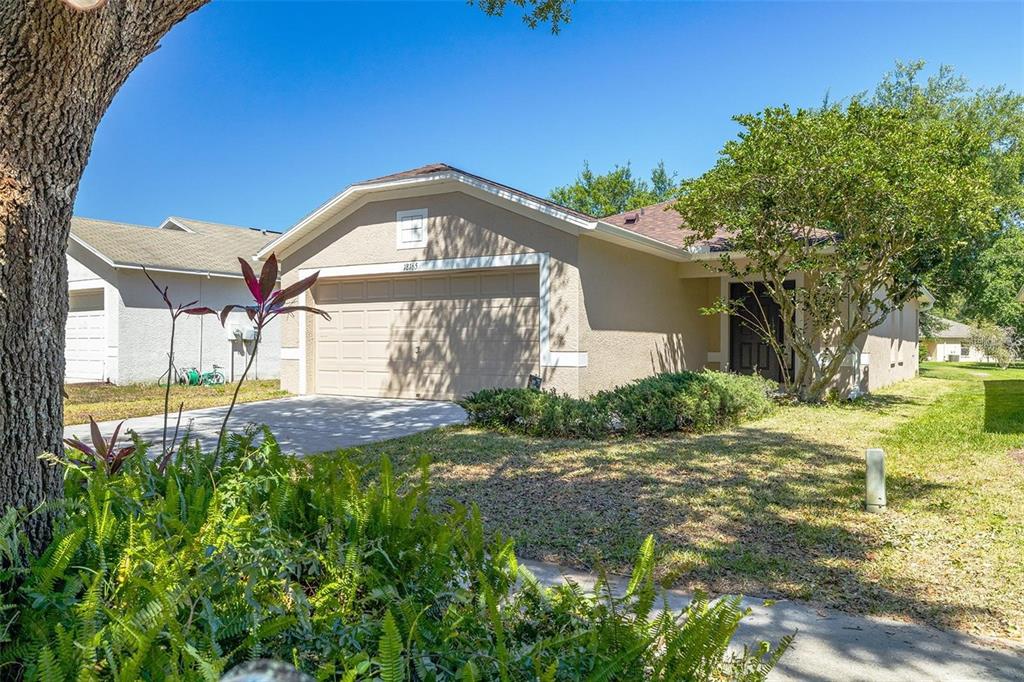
(690, 401)
(177, 572)
(539, 413)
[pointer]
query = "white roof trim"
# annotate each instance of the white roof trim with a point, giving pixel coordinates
(173, 271)
(333, 208)
(925, 298)
(625, 237)
(172, 220)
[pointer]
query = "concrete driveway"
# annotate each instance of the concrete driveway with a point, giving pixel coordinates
(305, 425)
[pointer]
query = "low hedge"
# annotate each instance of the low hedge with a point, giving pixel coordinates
(680, 401)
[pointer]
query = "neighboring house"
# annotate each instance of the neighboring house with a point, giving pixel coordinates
(952, 343)
(440, 282)
(118, 327)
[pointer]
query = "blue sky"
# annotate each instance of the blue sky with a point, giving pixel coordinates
(254, 113)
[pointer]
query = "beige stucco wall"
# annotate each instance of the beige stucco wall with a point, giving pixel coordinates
(892, 352)
(638, 316)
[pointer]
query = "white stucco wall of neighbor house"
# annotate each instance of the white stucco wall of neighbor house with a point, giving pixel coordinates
(200, 341)
(138, 324)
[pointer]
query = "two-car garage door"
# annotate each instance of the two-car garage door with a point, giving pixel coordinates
(435, 336)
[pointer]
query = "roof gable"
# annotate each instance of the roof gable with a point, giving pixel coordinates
(441, 177)
(430, 179)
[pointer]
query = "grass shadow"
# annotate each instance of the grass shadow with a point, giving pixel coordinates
(754, 510)
(1004, 406)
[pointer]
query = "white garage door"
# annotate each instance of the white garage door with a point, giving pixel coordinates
(435, 336)
(86, 336)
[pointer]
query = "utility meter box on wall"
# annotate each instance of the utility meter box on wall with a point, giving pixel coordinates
(241, 332)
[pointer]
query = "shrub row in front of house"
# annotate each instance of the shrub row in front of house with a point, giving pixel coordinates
(679, 401)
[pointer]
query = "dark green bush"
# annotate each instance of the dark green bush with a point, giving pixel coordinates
(341, 571)
(689, 401)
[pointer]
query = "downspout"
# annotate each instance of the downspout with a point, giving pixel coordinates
(202, 325)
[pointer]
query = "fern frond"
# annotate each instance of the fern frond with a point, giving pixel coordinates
(57, 558)
(390, 653)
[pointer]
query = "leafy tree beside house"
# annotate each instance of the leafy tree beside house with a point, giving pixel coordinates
(618, 190)
(997, 114)
(991, 292)
(865, 200)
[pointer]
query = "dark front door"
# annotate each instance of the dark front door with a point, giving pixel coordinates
(749, 352)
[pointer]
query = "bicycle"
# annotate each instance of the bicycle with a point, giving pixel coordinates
(191, 376)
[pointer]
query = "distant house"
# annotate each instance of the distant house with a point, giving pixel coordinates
(953, 343)
(440, 282)
(118, 327)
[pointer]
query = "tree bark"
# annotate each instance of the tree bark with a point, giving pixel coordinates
(59, 71)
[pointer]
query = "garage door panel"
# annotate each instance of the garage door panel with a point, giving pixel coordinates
(434, 287)
(524, 284)
(379, 319)
(405, 288)
(380, 288)
(496, 284)
(352, 320)
(427, 336)
(85, 335)
(465, 286)
(352, 291)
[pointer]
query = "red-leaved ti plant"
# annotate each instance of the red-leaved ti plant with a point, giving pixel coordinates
(175, 311)
(102, 454)
(267, 304)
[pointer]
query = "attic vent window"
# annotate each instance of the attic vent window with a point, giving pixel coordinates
(411, 229)
(632, 218)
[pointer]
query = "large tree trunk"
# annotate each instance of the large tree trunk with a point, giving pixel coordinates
(59, 70)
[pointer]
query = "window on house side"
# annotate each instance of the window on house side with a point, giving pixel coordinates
(411, 229)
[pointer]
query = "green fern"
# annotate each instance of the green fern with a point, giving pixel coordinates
(57, 558)
(390, 652)
(494, 615)
(47, 667)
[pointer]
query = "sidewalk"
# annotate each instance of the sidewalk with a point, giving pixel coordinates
(831, 645)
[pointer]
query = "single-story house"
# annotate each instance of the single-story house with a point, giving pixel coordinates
(118, 327)
(440, 282)
(952, 343)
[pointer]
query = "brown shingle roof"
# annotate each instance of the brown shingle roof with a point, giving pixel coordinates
(659, 221)
(435, 168)
(209, 247)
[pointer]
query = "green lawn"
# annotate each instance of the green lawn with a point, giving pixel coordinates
(105, 401)
(774, 507)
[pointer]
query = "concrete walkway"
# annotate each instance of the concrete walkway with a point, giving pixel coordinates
(305, 425)
(831, 645)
